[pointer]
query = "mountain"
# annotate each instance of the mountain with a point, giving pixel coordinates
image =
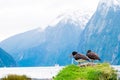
(50, 46)
(102, 32)
(6, 60)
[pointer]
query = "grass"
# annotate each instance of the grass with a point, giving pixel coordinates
(15, 77)
(98, 72)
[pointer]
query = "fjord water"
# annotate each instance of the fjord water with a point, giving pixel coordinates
(32, 72)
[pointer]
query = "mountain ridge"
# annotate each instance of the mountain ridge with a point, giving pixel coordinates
(37, 47)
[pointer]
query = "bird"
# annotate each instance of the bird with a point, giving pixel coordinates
(92, 55)
(79, 57)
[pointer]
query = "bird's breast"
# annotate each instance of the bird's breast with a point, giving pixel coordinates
(80, 60)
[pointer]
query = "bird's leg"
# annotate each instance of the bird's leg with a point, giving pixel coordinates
(79, 63)
(92, 62)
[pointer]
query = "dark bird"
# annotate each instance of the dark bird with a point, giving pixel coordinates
(79, 57)
(93, 56)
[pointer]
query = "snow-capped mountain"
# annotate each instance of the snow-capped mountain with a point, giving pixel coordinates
(50, 46)
(77, 17)
(102, 33)
(6, 60)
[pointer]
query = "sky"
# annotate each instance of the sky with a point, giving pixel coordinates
(17, 16)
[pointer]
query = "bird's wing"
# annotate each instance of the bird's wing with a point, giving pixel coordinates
(94, 55)
(77, 56)
(80, 56)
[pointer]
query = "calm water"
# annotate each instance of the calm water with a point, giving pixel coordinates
(43, 73)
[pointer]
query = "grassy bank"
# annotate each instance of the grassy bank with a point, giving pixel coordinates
(15, 77)
(96, 72)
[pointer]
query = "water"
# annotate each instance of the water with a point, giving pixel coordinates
(117, 67)
(36, 73)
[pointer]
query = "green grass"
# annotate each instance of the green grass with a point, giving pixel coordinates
(15, 77)
(98, 72)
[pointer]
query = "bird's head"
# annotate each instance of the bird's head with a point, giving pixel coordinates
(88, 51)
(74, 53)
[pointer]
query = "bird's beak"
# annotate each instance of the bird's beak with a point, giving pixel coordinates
(70, 55)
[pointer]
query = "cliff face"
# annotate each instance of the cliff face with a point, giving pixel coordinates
(6, 60)
(102, 32)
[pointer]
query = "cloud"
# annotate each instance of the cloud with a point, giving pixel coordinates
(21, 15)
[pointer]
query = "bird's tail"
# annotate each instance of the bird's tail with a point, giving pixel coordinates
(100, 61)
(88, 60)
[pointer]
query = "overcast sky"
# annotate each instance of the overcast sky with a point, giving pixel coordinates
(17, 16)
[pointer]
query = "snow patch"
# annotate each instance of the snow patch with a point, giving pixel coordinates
(74, 17)
(113, 57)
(107, 4)
(41, 29)
(56, 21)
(21, 57)
(102, 26)
(116, 2)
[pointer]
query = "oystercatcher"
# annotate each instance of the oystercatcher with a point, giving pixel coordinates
(79, 57)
